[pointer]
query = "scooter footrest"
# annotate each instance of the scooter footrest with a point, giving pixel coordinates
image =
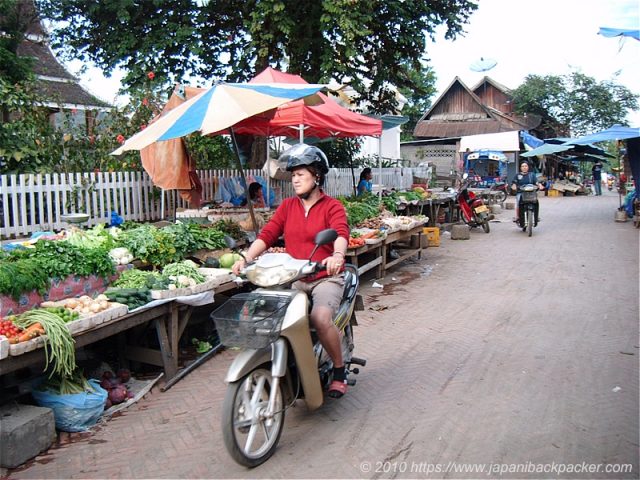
(358, 361)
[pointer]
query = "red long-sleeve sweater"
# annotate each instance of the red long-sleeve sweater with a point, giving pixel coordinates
(300, 230)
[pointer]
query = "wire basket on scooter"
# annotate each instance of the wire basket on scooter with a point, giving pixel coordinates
(251, 320)
(529, 193)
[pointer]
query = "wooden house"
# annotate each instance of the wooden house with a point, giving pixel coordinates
(459, 112)
(60, 91)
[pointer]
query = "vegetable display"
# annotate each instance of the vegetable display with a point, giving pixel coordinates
(75, 383)
(131, 297)
(59, 345)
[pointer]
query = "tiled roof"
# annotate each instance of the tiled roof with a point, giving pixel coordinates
(68, 94)
(45, 63)
(53, 81)
(483, 119)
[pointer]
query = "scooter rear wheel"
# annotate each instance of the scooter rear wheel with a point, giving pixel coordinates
(501, 196)
(485, 226)
(250, 437)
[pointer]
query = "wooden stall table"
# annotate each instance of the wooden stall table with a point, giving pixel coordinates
(380, 250)
(353, 254)
(436, 204)
(398, 237)
(169, 319)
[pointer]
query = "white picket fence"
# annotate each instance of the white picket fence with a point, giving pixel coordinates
(31, 203)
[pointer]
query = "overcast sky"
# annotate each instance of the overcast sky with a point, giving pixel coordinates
(543, 37)
(525, 37)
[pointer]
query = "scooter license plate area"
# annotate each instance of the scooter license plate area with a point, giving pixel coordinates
(481, 209)
(251, 320)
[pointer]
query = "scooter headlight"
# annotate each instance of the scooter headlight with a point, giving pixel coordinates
(270, 276)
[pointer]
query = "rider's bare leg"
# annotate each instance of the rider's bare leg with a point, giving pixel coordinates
(322, 321)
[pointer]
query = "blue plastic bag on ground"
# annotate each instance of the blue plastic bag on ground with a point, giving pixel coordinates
(76, 412)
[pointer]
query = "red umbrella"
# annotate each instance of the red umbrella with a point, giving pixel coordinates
(323, 120)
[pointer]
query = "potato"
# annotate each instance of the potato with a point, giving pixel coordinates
(102, 297)
(71, 303)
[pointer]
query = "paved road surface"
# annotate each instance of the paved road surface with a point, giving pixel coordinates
(500, 352)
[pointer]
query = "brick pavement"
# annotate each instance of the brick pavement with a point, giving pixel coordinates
(496, 374)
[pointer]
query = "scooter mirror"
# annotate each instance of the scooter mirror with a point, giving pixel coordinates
(326, 236)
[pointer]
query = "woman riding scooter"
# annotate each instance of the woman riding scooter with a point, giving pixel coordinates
(525, 177)
(300, 218)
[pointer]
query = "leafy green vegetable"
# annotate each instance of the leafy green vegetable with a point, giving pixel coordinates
(150, 244)
(59, 259)
(186, 268)
(22, 275)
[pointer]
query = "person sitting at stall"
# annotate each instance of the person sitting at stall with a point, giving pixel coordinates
(365, 185)
(255, 195)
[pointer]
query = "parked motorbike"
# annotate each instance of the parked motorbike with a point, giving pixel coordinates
(528, 200)
(502, 189)
(282, 359)
(472, 208)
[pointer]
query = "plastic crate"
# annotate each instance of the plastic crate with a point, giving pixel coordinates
(554, 193)
(433, 236)
(251, 320)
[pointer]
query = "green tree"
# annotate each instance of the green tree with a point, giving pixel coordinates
(574, 104)
(13, 25)
(382, 41)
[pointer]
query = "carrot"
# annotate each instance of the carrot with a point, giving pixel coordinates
(30, 332)
(370, 234)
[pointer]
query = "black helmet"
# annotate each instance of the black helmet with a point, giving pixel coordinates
(302, 155)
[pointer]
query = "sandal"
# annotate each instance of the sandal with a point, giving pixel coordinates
(337, 389)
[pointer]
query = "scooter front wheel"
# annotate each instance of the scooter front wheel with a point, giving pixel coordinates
(250, 434)
(529, 223)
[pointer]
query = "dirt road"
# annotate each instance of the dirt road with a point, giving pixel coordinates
(500, 354)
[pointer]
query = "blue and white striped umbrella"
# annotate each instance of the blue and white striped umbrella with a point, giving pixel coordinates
(217, 109)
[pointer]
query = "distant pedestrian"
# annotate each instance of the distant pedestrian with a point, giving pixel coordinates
(596, 171)
(365, 185)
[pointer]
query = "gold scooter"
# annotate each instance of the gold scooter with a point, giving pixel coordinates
(281, 359)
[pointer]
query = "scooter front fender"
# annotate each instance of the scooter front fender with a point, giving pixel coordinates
(249, 360)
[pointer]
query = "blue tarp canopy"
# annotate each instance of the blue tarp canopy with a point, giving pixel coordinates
(617, 132)
(545, 149)
(585, 158)
(530, 141)
(557, 145)
(619, 32)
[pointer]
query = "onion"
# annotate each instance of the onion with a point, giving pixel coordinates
(118, 394)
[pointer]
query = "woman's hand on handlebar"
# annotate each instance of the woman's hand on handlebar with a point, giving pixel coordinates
(333, 263)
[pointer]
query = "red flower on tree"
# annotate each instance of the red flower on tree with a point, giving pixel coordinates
(143, 126)
(120, 138)
(151, 75)
(145, 101)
